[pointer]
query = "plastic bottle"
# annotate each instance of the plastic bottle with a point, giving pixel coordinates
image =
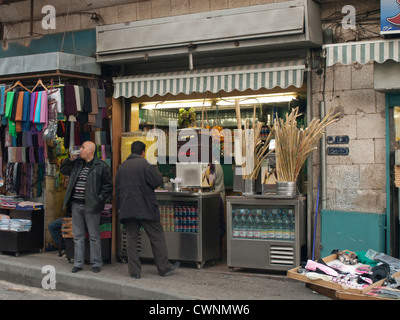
(271, 226)
(278, 224)
(235, 224)
(285, 226)
(264, 225)
(250, 225)
(257, 224)
(243, 223)
(292, 224)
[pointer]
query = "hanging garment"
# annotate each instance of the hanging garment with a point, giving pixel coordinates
(26, 126)
(9, 104)
(87, 101)
(19, 111)
(20, 106)
(69, 100)
(44, 109)
(38, 105)
(2, 99)
(55, 98)
(95, 108)
(77, 99)
(14, 106)
(101, 98)
(32, 106)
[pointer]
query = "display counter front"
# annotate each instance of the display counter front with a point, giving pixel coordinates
(265, 232)
(191, 227)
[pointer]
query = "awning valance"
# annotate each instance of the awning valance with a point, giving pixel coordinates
(281, 74)
(362, 52)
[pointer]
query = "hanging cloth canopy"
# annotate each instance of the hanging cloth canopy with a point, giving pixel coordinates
(281, 74)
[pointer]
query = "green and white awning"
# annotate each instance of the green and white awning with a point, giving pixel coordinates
(281, 74)
(362, 52)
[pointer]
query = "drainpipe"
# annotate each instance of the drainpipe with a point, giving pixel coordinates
(310, 191)
(190, 53)
(323, 158)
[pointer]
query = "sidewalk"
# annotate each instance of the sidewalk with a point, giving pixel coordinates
(212, 282)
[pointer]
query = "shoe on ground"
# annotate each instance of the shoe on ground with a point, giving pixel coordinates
(76, 269)
(135, 276)
(96, 269)
(170, 270)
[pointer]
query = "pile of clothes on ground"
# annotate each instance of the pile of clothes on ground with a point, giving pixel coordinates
(358, 270)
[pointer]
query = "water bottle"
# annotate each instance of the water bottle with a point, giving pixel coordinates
(250, 225)
(292, 223)
(264, 225)
(235, 224)
(257, 225)
(278, 224)
(271, 226)
(285, 226)
(243, 223)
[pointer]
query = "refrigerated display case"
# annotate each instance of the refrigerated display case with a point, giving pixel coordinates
(191, 226)
(265, 232)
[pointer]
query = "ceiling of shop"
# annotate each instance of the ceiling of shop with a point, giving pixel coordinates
(20, 10)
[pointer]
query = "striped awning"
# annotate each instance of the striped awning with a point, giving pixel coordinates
(269, 75)
(362, 52)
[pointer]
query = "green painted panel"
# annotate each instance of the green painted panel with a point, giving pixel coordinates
(82, 42)
(356, 231)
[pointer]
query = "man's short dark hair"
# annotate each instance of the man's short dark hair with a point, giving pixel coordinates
(138, 147)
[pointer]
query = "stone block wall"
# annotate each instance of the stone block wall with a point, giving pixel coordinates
(356, 182)
(125, 13)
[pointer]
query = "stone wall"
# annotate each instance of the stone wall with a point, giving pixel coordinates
(356, 182)
(124, 13)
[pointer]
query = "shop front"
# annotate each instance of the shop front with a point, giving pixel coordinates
(383, 56)
(219, 71)
(51, 102)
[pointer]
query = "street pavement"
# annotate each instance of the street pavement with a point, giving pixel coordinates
(13, 291)
(212, 282)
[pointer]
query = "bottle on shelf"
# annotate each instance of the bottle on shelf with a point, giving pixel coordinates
(257, 224)
(270, 225)
(285, 226)
(264, 225)
(250, 225)
(292, 224)
(235, 224)
(243, 224)
(278, 224)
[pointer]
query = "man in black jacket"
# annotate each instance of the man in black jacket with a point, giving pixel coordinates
(137, 206)
(89, 186)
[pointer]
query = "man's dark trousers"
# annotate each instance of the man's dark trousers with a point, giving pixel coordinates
(155, 234)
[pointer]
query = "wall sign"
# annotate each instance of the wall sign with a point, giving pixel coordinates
(338, 151)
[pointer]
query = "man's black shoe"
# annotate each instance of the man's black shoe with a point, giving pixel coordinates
(76, 269)
(135, 276)
(96, 269)
(169, 271)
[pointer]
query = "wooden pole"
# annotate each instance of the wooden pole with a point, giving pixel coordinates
(116, 160)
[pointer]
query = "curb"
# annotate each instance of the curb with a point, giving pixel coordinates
(83, 284)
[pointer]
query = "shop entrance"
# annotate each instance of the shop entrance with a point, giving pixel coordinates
(393, 173)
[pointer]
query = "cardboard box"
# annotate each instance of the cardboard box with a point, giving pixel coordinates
(339, 291)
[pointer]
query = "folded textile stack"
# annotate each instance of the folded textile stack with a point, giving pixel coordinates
(20, 225)
(9, 202)
(29, 205)
(4, 223)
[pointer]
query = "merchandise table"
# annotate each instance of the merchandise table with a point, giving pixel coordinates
(19, 241)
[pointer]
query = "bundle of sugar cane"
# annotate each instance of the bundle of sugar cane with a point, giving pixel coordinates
(261, 145)
(293, 145)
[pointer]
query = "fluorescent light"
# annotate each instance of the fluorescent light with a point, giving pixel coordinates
(228, 101)
(273, 98)
(176, 105)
